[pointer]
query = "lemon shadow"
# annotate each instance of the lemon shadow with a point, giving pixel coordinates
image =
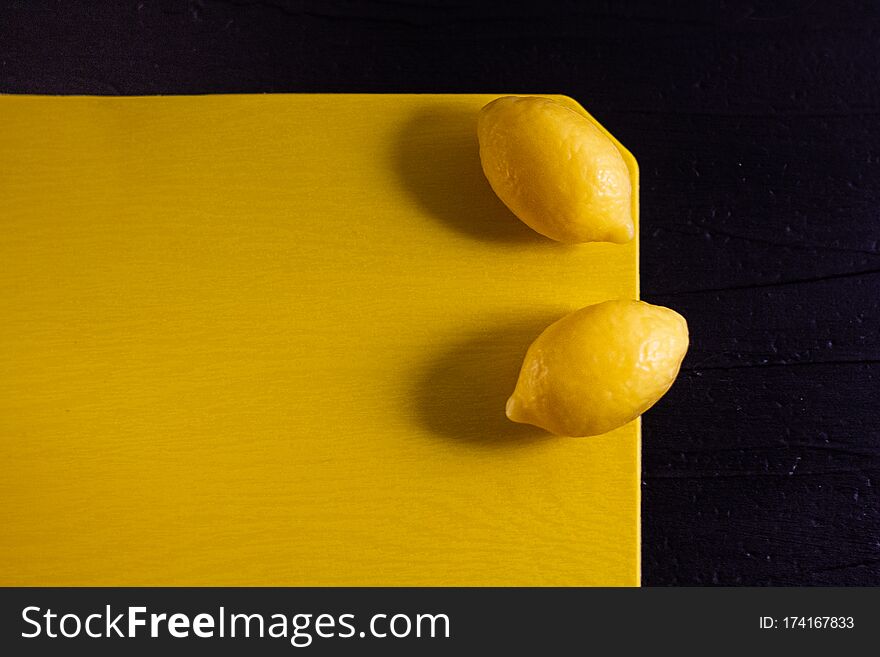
(438, 159)
(462, 392)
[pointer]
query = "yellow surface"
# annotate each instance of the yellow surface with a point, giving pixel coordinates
(267, 340)
(599, 367)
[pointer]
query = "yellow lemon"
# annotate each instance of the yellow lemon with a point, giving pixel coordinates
(599, 367)
(555, 170)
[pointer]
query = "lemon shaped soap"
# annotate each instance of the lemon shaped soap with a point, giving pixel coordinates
(555, 170)
(599, 368)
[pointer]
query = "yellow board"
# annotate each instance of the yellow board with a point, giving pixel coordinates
(267, 340)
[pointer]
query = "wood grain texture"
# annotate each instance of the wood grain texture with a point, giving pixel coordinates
(267, 340)
(756, 128)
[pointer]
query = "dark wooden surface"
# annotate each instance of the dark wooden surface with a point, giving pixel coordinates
(756, 127)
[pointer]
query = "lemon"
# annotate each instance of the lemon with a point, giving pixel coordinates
(555, 170)
(599, 367)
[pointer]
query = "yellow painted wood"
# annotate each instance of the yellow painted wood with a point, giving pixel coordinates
(267, 340)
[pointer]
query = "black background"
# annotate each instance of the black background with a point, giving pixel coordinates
(756, 128)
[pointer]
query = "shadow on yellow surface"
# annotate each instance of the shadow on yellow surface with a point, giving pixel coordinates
(462, 392)
(438, 159)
